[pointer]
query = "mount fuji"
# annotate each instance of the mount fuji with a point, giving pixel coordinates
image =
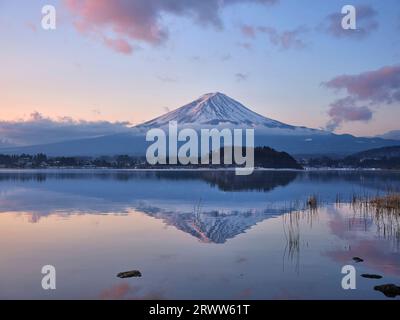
(219, 110)
(214, 110)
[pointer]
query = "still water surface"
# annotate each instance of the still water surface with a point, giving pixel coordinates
(193, 235)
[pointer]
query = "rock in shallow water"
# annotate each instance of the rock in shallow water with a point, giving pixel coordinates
(129, 274)
(389, 290)
(371, 276)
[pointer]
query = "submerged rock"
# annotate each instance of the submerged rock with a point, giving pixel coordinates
(357, 259)
(371, 276)
(389, 290)
(129, 274)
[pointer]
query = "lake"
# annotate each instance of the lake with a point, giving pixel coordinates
(194, 234)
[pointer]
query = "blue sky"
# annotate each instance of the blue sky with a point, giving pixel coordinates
(70, 72)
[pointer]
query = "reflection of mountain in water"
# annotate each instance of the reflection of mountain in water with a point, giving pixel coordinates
(230, 204)
(224, 180)
(212, 226)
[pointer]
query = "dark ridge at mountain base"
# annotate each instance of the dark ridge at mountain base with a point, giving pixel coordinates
(266, 157)
(381, 158)
(385, 152)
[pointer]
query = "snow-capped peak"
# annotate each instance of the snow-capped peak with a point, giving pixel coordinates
(215, 109)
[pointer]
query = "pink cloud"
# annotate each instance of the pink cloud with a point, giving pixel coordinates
(376, 253)
(119, 45)
(378, 86)
(31, 26)
(374, 256)
(140, 20)
(345, 110)
(248, 31)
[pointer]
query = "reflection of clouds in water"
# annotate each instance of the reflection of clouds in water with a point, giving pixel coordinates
(361, 241)
(117, 292)
(42, 203)
(346, 226)
(375, 255)
(125, 291)
(244, 294)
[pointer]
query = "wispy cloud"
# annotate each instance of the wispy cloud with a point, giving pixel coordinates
(140, 20)
(196, 58)
(286, 39)
(39, 129)
(245, 45)
(241, 76)
(226, 57)
(366, 23)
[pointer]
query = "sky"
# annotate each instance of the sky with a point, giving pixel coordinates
(111, 64)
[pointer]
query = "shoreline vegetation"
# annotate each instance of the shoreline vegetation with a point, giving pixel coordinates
(383, 210)
(382, 158)
(388, 202)
(264, 157)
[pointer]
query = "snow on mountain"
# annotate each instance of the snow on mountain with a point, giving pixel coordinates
(217, 226)
(213, 109)
(217, 109)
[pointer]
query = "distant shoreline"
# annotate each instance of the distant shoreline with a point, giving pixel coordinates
(105, 169)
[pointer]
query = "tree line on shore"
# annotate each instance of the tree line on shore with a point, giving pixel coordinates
(264, 157)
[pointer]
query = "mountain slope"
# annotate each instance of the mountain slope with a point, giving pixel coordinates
(393, 135)
(214, 110)
(379, 153)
